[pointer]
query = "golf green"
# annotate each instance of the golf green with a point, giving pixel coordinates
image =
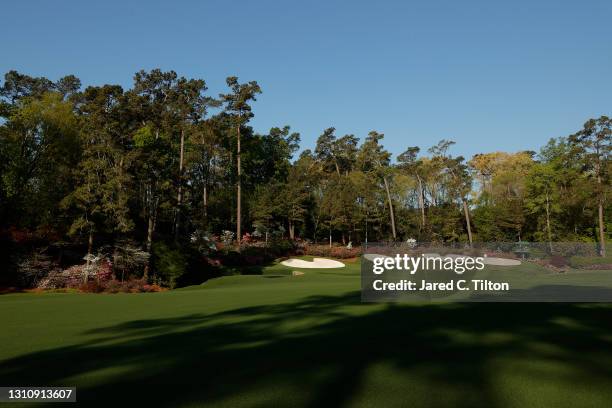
(282, 340)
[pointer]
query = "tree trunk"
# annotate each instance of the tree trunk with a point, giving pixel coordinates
(238, 195)
(421, 202)
(548, 223)
(366, 231)
(89, 251)
(291, 230)
(330, 236)
(602, 236)
(390, 208)
(115, 256)
(89, 245)
(600, 216)
(466, 211)
(150, 228)
(205, 202)
(179, 198)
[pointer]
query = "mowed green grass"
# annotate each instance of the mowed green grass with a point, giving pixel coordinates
(278, 340)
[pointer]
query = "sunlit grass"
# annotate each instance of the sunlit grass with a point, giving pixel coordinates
(280, 340)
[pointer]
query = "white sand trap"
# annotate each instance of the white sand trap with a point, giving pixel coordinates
(371, 257)
(317, 263)
(488, 260)
(491, 260)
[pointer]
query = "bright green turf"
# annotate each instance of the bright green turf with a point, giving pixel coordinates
(278, 340)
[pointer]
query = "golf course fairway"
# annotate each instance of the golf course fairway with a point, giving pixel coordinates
(281, 340)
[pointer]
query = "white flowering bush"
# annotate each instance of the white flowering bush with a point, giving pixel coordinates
(35, 267)
(411, 243)
(128, 258)
(227, 237)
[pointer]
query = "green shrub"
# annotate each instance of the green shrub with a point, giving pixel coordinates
(537, 253)
(585, 261)
(169, 263)
(281, 247)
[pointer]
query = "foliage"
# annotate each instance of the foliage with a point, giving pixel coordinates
(114, 171)
(227, 237)
(558, 261)
(127, 258)
(586, 261)
(203, 241)
(116, 286)
(170, 263)
(340, 252)
(35, 267)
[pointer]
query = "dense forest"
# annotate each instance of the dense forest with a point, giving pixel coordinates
(160, 175)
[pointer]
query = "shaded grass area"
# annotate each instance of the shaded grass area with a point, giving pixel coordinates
(277, 340)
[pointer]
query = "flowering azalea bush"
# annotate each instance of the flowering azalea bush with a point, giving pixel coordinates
(340, 252)
(68, 278)
(99, 270)
(35, 267)
(105, 270)
(115, 286)
(227, 237)
(411, 243)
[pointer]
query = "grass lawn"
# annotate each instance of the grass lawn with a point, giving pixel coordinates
(278, 340)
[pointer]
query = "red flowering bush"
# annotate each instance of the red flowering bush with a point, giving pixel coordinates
(340, 252)
(68, 278)
(92, 287)
(558, 261)
(115, 286)
(74, 277)
(20, 236)
(345, 253)
(105, 270)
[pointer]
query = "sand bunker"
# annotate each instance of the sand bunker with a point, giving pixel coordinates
(491, 260)
(371, 257)
(317, 263)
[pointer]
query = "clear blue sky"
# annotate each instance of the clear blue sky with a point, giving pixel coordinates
(490, 75)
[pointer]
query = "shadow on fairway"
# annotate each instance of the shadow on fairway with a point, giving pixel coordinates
(316, 353)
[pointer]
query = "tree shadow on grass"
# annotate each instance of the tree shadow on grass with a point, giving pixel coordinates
(317, 352)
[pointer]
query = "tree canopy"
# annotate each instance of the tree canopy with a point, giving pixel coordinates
(164, 159)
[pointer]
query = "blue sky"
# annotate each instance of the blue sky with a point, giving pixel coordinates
(490, 75)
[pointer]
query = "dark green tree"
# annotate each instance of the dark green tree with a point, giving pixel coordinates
(237, 104)
(594, 142)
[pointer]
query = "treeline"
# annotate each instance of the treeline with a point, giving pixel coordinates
(166, 162)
